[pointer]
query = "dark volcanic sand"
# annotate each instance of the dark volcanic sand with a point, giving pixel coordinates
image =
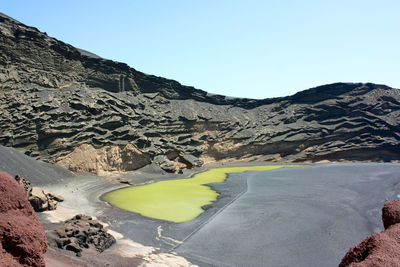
(305, 216)
(39, 173)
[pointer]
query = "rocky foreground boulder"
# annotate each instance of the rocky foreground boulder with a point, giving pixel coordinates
(40, 199)
(22, 238)
(87, 113)
(380, 249)
(391, 214)
(79, 233)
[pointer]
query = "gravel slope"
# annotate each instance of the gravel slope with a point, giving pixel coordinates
(39, 173)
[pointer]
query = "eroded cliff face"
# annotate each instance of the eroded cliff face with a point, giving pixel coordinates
(55, 98)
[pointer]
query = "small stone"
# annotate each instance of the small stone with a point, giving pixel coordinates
(125, 181)
(73, 247)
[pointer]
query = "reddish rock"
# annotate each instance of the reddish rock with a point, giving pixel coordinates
(380, 249)
(391, 213)
(22, 239)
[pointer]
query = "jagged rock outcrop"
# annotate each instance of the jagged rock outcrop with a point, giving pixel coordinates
(86, 158)
(380, 249)
(81, 232)
(175, 161)
(40, 198)
(22, 239)
(54, 99)
(24, 183)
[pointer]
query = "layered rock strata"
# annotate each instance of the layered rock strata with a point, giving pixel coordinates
(60, 104)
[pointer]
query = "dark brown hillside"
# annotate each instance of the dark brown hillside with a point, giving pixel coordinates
(68, 106)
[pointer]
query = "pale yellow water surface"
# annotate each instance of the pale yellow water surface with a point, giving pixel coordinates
(175, 200)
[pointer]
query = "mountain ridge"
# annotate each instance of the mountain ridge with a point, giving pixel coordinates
(58, 103)
(185, 91)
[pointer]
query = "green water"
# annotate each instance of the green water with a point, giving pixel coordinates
(175, 200)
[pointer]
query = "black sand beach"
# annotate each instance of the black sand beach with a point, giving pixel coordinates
(306, 216)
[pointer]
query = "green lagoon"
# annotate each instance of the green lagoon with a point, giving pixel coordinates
(175, 200)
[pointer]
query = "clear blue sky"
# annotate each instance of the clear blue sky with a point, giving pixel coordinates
(245, 48)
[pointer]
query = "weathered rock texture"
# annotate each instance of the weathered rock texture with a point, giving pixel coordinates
(86, 158)
(39, 198)
(22, 239)
(81, 232)
(391, 213)
(380, 249)
(42, 200)
(24, 183)
(61, 104)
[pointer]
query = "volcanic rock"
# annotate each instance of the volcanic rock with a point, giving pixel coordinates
(42, 200)
(24, 183)
(22, 239)
(86, 158)
(81, 111)
(165, 164)
(81, 232)
(391, 213)
(190, 161)
(380, 249)
(125, 181)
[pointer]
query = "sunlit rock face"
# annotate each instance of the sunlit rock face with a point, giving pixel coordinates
(55, 98)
